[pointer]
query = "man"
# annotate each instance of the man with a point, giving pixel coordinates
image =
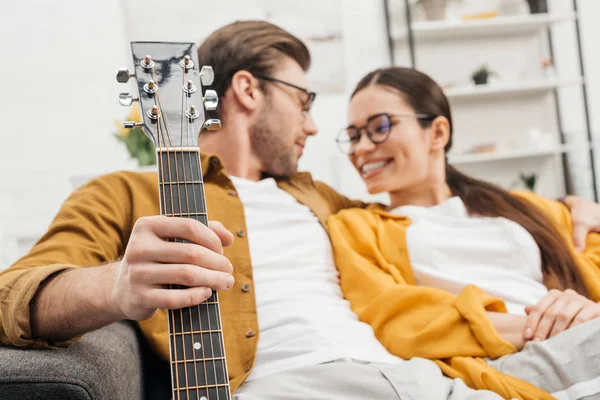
(282, 281)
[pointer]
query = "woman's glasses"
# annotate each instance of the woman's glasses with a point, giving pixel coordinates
(377, 128)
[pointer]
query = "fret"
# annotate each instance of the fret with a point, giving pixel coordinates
(183, 199)
(186, 215)
(201, 387)
(182, 182)
(197, 361)
(210, 393)
(174, 166)
(213, 373)
(209, 317)
(197, 345)
(189, 333)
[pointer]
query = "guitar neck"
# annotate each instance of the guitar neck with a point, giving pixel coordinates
(198, 367)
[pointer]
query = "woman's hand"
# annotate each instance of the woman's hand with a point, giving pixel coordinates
(557, 312)
(586, 218)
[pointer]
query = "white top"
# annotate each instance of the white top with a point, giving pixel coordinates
(448, 250)
(302, 315)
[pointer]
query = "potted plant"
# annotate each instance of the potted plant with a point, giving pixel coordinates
(137, 143)
(482, 75)
(433, 9)
(529, 180)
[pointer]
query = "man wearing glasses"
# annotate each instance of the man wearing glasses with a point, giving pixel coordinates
(289, 333)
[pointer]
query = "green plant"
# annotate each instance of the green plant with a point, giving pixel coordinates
(529, 180)
(481, 74)
(137, 143)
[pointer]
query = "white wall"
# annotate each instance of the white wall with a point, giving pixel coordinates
(58, 103)
(60, 95)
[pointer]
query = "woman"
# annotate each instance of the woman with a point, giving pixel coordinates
(436, 272)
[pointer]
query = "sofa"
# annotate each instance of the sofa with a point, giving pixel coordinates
(114, 363)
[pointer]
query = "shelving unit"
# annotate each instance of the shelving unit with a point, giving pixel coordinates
(497, 26)
(462, 159)
(540, 86)
(523, 99)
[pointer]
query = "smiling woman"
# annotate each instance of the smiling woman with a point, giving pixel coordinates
(455, 262)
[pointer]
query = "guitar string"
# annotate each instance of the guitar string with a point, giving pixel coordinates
(219, 331)
(162, 120)
(193, 348)
(213, 295)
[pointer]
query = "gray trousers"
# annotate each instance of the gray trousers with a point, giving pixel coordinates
(567, 365)
(417, 379)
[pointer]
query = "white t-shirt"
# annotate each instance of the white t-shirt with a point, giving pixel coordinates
(302, 315)
(448, 250)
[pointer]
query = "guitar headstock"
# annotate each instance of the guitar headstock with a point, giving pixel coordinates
(171, 93)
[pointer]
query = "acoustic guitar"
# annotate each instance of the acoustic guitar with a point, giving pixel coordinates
(173, 100)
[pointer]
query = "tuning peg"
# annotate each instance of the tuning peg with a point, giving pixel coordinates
(207, 75)
(125, 99)
(131, 124)
(211, 100)
(212, 124)
(123, 75)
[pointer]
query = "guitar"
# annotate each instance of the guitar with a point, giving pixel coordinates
(172, 102)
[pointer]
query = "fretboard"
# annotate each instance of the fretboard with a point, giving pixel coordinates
(198, 367)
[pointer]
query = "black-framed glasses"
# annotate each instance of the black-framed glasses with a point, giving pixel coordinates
(307, 102)
(377, 128)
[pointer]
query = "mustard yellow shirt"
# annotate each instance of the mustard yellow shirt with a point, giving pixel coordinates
(94, 225)
(415, 321)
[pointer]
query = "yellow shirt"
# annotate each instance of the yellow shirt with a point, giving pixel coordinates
(94, 225)
(416, 321)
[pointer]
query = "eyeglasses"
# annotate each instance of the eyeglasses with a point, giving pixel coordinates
(306, 103)
(377, 128)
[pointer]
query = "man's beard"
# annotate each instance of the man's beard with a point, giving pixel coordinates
(267, 139)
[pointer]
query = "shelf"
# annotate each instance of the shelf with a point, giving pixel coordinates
(506, 155)
(501, 89)
(518, 25)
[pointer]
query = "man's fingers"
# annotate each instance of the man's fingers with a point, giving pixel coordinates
(222, 232)
(181, 228)
(580, 232)
(187, 253)
(536, 313)
(183, 274)
(177, 298)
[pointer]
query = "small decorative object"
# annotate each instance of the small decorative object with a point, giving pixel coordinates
(513, 7)
(482, 74)
(484, 148)
(480, 15)
(529, 180)
(537, 6)
(137, 143)
(548, 67)
(434, 9)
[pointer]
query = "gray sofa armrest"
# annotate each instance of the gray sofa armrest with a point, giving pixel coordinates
(104, 364)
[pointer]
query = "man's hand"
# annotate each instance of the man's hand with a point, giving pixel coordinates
(557, 312)
(79, 300)
(586, 218)
(151, 262)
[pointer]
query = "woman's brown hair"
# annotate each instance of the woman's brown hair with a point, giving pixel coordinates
(480, 197)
